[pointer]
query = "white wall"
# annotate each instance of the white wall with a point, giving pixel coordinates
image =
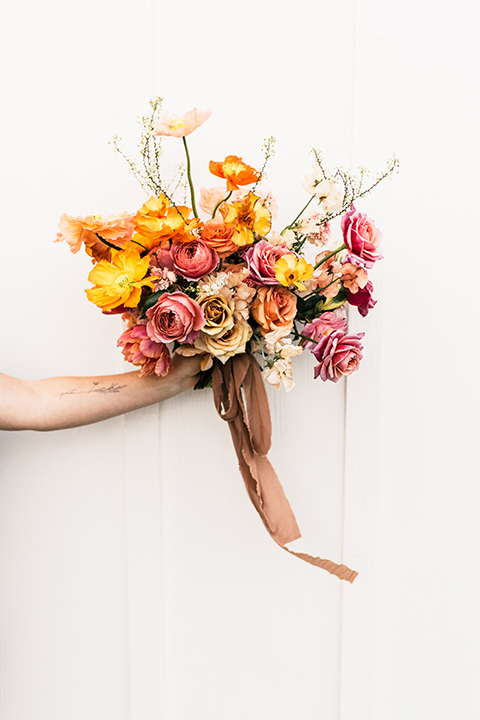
(136, 580)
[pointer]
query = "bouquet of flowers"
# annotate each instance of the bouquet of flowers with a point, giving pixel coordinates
(226, 285)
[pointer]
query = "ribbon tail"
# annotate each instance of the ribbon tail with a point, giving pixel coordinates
(241, 400)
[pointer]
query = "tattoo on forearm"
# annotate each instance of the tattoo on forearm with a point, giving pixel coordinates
(96, 388)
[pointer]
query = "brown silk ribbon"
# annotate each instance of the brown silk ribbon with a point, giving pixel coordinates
(241, 400)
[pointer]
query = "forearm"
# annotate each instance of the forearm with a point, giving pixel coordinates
(65, 402)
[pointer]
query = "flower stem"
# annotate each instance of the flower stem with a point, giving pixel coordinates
(105, 242)
(327, 257)
(300, 213)
(189, 176)
(220, 202)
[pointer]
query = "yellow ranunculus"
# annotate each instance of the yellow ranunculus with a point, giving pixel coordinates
(290, 271)
(248, 216)
(120, 281)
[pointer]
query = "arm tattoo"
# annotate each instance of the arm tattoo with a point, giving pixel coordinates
(96, 388)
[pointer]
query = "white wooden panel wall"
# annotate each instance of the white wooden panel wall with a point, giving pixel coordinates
(136, 580)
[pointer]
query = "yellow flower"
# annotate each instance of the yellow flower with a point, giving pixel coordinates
(247, 216)
(120, 281)
(290, 271)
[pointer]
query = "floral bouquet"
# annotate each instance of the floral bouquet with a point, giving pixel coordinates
(226, 285)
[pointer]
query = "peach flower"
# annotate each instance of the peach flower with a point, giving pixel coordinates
(216, 234)
(274, 307)
(117, 229)
(179, 126)
(139, 349)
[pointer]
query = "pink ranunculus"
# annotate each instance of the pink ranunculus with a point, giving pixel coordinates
(139, 349)
(362, 238)
(175, 317)
(338, 354)
(261, 259)
(161, 258)
(193, 260)
(362, 299)
(326, 324)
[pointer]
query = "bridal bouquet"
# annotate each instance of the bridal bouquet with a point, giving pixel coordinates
(224, 283)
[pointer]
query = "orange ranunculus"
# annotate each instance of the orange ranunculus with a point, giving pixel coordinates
(158, 220)
(219, 237)
(120, 281)
(274, 307)
(248, 217)
(234, 171)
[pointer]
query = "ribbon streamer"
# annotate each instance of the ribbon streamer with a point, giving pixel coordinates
(241, 400)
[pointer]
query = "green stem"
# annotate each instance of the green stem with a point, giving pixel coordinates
(327, 257)
(220, 202)
(189, 176)
(300, 213)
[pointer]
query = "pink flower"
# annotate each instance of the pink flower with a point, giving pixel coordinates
(362, 299)
(338, 354)
(193, 260)
(139, 349)
(175, 317)
(324, 325)
(362, 238)
(179, 126)
(261, 259)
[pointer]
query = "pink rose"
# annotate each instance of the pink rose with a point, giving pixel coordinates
(139, 349)
(261, 259)
(193, 260)
(362, 299)
(326, 324)
(175, 317)
(362, 238)
(338, 354)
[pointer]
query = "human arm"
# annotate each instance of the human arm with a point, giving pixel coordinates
(65, 402)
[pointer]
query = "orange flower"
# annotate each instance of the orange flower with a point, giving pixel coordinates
(119, 282)
(274, 307)
(159, 220)
(219, 237)
(234, 171)
(248, 217)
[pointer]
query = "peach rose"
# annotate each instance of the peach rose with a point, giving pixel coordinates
(274, 307)
(219, 237)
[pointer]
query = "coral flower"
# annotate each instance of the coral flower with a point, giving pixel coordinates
(139, 349)
(234, 171)
(248, 217)
(179, 126)
(290, 271)
(119, 282)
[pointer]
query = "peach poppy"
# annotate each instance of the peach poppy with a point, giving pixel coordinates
(181, 125)
(234, 171)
